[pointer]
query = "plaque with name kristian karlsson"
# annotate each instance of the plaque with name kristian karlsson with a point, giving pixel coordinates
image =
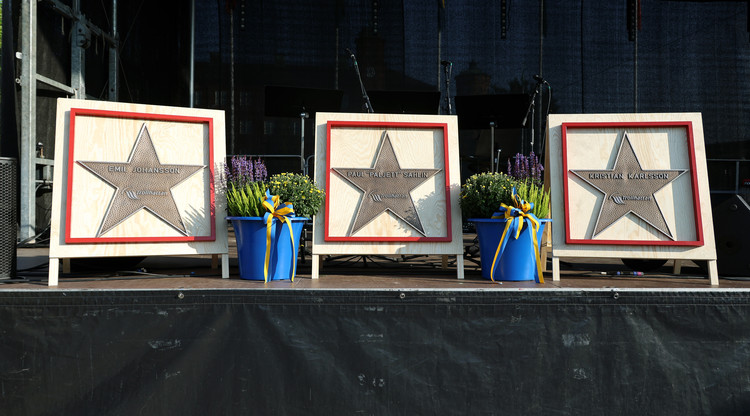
(629, 186)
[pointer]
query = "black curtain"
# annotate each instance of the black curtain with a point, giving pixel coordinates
(9, 134)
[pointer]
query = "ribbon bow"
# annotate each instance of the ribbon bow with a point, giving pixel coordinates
(281, 211)
(514, 222)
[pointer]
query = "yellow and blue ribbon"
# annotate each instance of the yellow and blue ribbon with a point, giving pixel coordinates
(514, 222)
(282, 212)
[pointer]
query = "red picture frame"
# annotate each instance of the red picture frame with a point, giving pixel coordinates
(76, 112)
(688, 126)
(333, 124)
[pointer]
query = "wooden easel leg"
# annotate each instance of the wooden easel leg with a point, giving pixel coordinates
(54, 269)
(224, 266)
(555, 269)
(445, 262)
(677, 266)
(66, 265)
(460, 266)
(713, 273)
(215, 261)
(315, 266)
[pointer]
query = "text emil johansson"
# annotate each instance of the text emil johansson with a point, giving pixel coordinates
(139, 169)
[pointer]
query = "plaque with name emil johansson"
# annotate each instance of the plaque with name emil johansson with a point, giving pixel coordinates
(136, 180)
(142, 182)
(139, 177)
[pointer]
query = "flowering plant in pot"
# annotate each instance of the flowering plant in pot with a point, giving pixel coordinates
(268, 215)
(526, 168)
(509, 214)
(244, 186)
(298, 189)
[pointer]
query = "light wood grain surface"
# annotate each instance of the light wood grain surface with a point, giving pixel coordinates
(356, 147)
(656, 148)
(111, 139)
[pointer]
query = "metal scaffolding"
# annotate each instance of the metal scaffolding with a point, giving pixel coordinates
(35, 168)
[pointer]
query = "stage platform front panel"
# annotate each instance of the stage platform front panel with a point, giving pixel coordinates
(289, 349)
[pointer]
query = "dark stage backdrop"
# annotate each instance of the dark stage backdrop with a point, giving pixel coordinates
(381, 352)
(681, 56)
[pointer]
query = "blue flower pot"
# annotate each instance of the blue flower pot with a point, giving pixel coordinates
(250, 233)
(517, 262)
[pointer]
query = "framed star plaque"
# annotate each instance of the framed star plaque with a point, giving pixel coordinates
(392, 183)
(136, 180)
(629, 186)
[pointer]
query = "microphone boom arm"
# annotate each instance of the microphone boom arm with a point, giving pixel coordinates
(365, 97)
(539, 82)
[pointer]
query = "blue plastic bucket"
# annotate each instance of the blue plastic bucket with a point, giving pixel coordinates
(517, 262)
(250, 233)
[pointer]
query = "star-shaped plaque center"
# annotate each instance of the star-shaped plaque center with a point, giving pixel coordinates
(142, 182)
(386, 187)
(628, 188)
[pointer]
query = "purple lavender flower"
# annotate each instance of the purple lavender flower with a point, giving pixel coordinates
(526, 167)
(241, 171)
(261, 173)
(227, 173)
(246, 170)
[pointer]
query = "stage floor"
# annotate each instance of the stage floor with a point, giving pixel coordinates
(355, 273)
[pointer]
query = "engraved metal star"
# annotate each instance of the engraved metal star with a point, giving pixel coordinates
(628, 188)
(386, 187)
(141, 183)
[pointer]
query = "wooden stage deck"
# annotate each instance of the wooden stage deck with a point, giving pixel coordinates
(376, 273)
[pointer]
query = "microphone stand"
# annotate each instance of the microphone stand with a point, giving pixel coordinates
(448, 66)
(545, 114)
(367, 104)
(530, 109)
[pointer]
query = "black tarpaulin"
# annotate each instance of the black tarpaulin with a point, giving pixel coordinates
(380, 352)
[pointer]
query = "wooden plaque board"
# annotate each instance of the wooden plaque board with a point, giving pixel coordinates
(93, 217)
(357, 142)
(591, 146)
